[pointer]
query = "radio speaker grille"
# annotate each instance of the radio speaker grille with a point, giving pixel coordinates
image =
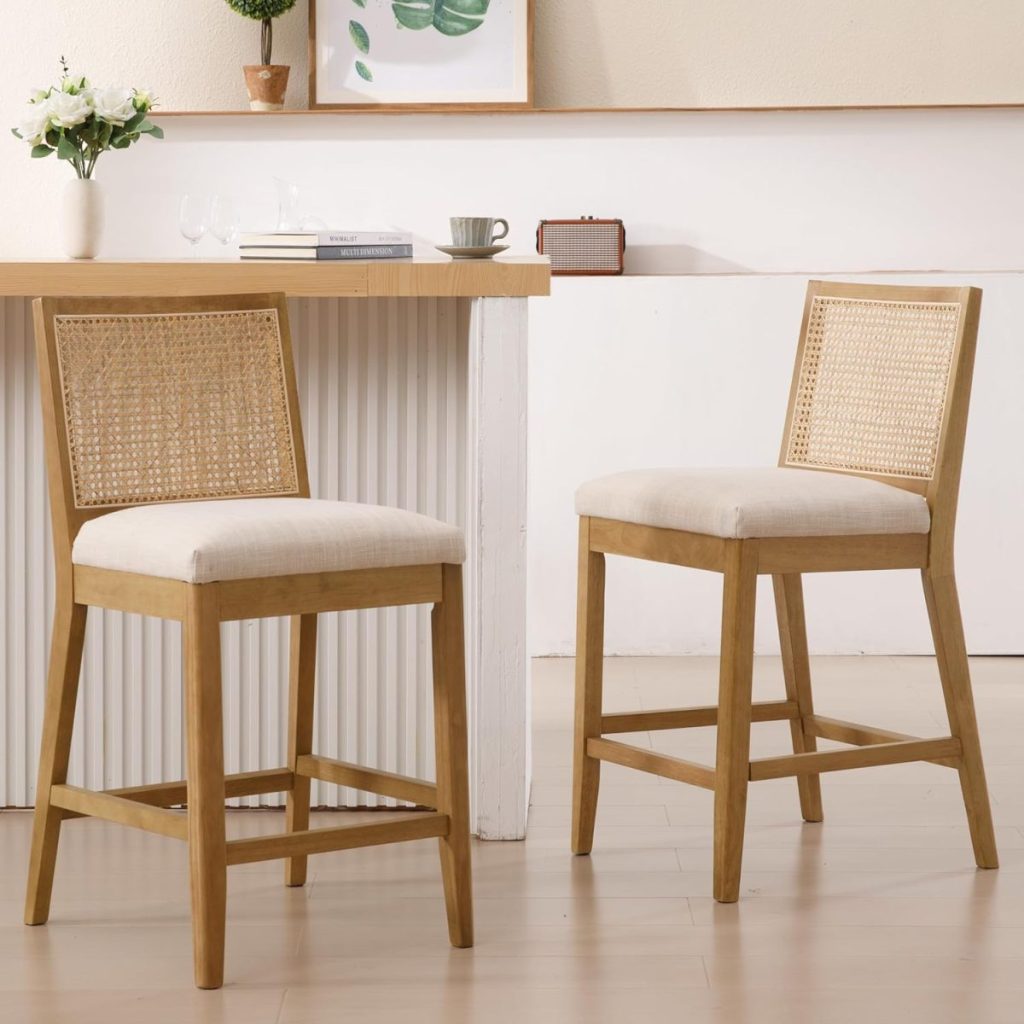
(582, 246)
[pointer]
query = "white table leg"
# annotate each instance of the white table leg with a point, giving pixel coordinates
(497, 662)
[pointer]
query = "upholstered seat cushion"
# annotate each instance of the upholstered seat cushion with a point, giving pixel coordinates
(242, 538)
(739, 503)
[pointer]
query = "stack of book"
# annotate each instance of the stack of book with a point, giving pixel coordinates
(326, 245)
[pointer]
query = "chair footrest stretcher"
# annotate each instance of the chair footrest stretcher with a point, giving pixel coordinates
(812, 763)
(692, 718)
(648, 761)
(371, 780)
(416, 825)
(148, 808)
(863, 736)
(123, 810)
(873, 747)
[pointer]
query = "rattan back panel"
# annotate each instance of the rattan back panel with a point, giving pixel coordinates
(175, 406)
(872, 386)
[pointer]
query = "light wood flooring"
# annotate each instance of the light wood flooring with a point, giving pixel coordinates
(877, 915)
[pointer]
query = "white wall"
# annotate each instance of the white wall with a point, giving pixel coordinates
(635, 370)
(695, 371)
(791, 192)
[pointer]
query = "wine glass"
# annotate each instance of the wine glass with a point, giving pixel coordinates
(224, 220)
(194, 218)
(287, 205)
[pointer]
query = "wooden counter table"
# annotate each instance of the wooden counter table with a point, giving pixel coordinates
(509, 277)
(412, 378)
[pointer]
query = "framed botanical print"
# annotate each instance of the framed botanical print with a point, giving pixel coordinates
(420, 54)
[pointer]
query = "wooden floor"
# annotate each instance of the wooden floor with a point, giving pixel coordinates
(877, 915)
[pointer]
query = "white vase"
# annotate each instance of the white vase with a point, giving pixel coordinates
(82, 219)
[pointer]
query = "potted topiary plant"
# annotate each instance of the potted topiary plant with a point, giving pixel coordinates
(266, 82)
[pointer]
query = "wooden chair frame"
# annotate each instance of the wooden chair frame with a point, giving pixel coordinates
(201, 608)
(785, 560)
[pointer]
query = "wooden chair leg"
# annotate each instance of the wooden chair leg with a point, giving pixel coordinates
(58, 723)
(796, 667)
(586, 770)
(449, 650)
(302, 688)
(732, 763)
(206, 833)
(951, 653)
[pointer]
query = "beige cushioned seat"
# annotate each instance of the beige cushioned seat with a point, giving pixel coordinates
(242, 538)
(739, 503)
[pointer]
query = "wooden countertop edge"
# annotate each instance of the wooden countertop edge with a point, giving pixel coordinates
(512, 278)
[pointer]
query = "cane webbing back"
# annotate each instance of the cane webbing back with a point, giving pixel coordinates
(872, 386)
(175, 406)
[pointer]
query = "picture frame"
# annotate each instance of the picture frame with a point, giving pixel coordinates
(431, 56)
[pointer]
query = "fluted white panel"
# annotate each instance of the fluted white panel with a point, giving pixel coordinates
(382, 384)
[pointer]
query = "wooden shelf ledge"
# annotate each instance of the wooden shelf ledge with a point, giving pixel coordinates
(485, 110)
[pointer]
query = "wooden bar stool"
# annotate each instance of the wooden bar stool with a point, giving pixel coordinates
(867, 479)
(179, 489)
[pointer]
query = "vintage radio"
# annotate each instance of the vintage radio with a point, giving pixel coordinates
(587, 246)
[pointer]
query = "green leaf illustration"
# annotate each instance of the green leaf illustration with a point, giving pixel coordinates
(363, 71)
(359, 3)
(40, 151)
(359, 36)
(449, 17)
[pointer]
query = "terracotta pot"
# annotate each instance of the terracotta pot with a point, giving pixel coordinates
(267, 84)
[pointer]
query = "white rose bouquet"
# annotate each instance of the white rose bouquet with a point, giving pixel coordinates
(78, 122)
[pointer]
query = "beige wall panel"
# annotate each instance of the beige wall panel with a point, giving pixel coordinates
(714, 53)
(605, 53)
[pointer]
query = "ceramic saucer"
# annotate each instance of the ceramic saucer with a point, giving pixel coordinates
(472, 252)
